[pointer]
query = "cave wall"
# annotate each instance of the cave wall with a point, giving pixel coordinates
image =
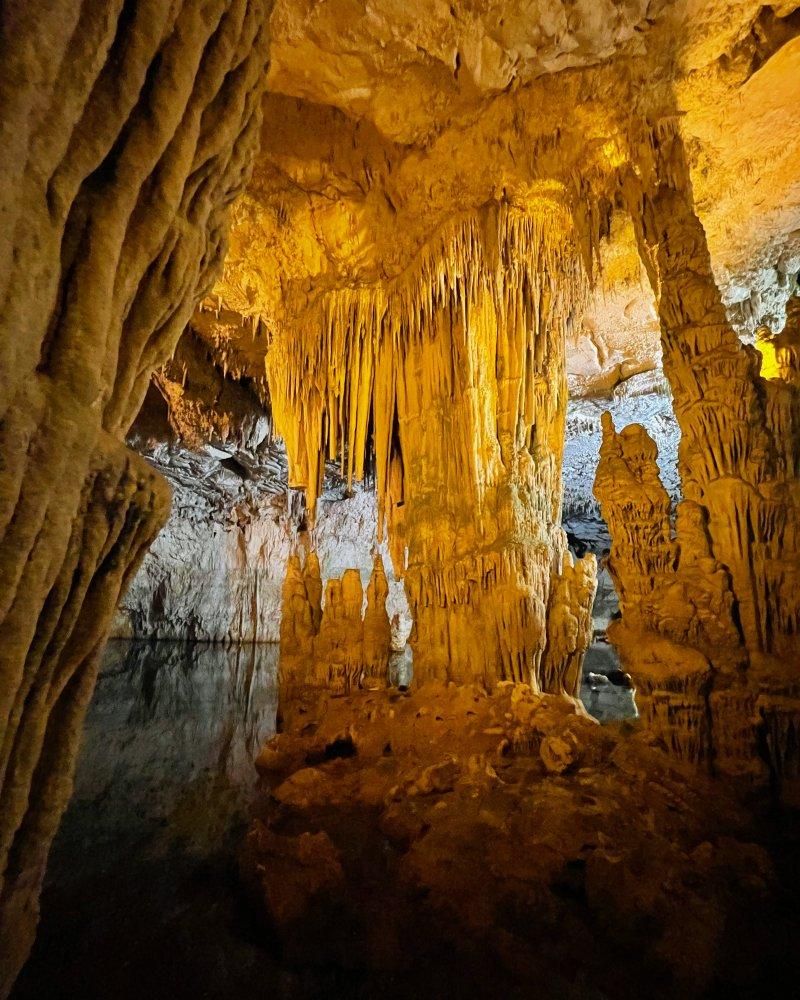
(212, 578)
(127, 129)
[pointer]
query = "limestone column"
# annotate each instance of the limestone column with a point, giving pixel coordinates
(710, 612)
(450, 380)
(126, 131)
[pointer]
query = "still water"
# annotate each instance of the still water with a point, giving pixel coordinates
(142, 897)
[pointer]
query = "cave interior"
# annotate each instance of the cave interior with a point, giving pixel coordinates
(399, 499)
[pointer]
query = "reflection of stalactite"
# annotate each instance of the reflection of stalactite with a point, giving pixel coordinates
(450, 380)
(727, 584)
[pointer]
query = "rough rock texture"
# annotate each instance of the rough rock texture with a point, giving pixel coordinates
(216, 571)
(726, 584)
(375, 217)
(126, 130)
(343, 645)
(616, 337)
(643, 399)
(501, 841)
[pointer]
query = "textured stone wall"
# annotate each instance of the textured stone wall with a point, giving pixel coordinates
(126, 130)
(208, 577)
(710, 605)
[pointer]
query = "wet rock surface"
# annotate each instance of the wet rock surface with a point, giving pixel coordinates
(500, 841)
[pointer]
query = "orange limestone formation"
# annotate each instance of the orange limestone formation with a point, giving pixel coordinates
(710, 611)
(127, 131)
(450, 381)
(334, 647)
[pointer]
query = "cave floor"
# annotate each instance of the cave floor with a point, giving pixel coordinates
(143, 896)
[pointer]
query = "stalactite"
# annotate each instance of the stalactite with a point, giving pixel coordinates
(450, 380)
(724, 586)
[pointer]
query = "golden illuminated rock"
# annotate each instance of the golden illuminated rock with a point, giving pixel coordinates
(508, 827)
(436, 217)
(451, 383)
(727, 585)
(339, 646)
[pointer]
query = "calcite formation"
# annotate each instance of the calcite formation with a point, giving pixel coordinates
(126, 133)
(342, 646)
(451, 383)
(446, 201)
(712, 607)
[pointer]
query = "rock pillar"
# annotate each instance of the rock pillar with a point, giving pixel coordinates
(710, 605)
(449, 381)
(126, 129)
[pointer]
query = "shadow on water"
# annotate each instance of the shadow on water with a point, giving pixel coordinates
(141, 897)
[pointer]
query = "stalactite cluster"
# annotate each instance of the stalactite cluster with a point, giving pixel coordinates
(450, 383)
(724, 581)
(127, 129)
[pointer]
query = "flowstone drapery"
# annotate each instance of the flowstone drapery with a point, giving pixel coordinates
(711, 609)
(449, 384)
(127, 129)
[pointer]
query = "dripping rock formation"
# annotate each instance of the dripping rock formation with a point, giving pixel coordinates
(127, 133)
(710, 604)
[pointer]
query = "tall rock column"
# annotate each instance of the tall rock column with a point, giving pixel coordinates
(450, 382)
(713, 613)
(127, 129)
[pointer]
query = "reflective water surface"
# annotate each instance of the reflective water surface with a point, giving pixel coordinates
(141, 896)
(603, 693)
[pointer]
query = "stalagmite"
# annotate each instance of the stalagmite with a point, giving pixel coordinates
(569, 625)
(712, 611)
(333, 646)
(126, 133)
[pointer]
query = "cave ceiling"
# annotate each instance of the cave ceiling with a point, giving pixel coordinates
(387, 121)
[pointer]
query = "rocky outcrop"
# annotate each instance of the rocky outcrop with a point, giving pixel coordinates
(343, 645)
(505, 840)
(216, 571)
(127, 129)
(644, 399)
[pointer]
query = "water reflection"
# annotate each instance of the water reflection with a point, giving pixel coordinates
(141, 896)
(604, 693)
(172, 729)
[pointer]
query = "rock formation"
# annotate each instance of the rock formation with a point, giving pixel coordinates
(127, 130)
(342, 646)
(457, 373)
(488, 842)
(710, 611)
(446, 230)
